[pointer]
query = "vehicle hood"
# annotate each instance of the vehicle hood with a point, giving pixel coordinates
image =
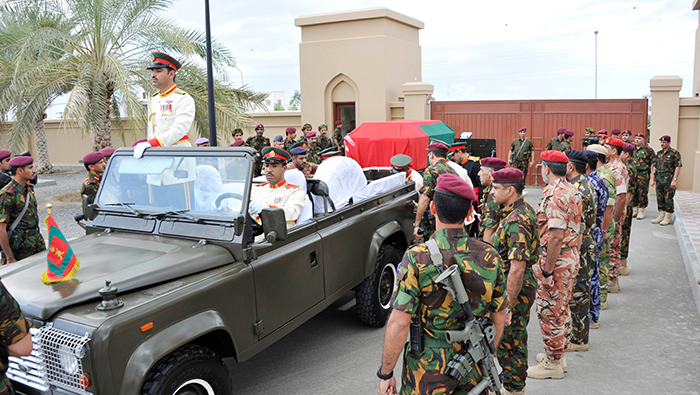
(129, 261)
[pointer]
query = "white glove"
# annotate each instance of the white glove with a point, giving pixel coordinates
(256, 207)
(140, 148)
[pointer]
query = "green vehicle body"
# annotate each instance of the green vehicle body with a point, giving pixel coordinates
(200, 283)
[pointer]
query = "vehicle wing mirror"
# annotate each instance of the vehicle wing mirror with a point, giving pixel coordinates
(180, 174)
(88, 209)
(274, 224)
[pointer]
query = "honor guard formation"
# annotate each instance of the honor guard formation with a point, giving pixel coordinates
(481, 258)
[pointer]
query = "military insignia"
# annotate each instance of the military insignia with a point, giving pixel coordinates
(272, 154)
(154, 58)
(167, 108)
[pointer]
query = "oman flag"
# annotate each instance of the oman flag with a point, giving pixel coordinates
(62, 262)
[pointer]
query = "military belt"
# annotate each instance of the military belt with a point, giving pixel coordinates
(431, 342)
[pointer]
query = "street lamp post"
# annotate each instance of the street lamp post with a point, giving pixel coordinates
(210, 80)
(596, 64)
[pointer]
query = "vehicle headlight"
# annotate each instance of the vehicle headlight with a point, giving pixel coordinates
(70, 358)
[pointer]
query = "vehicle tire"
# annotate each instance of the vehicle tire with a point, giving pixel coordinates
(373, 295)
(189, 370)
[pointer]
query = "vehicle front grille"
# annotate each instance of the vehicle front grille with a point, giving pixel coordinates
(45, 367)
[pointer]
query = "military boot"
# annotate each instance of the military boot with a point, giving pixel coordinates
(594, 325)
(623, 268)
(504, 391)
(604, 305)
(660, 218)
(541, 356)
(640, 213)
(577, 347)
(667, 219)
(634, 211)
(546, 369)
(614, 286)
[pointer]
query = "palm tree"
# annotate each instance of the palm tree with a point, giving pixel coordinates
(108, 49)
(295, 102)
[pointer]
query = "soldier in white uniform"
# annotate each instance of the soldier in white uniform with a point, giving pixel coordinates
(402, 162)
(170, 110)
(276, 192)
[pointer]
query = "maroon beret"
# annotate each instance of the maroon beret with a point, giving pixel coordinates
(561, 130)
(568, 132)
(665, 138)
(259, 126)
(554, 156)
(627, 131)
(615, 132)
(452, 184)
(496, 163)
(107, 151)
(20, 161)
(628, 147)
(291, 130)
(642, 135)
(92, 158)
(138, 141)
(603, 131)
(615, 142)
(510, 174)
(522, 130)
(238, 143)
(4, 154)
(311, 134)
(438, 146)
(338, 123)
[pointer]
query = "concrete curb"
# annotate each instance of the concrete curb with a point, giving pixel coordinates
(690, 256)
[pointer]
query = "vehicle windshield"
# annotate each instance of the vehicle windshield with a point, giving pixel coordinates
(176, 184)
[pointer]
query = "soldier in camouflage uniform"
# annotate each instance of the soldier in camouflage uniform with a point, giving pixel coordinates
(338, 137)
(94, 163)
(566, 144)
(619, 170)
(521, 152)
(15, 339)
(258, 142)
(324, 142)
(416, 296)
(517, 240)
(290, 140)
(626, 158)
(601, 190)
(581, 302)
(26, 240)
(559, 214)
(490, 212)
(643, 159)
(314, 151)
(5, 176)
(437, 157)
(665, 176)
(557, 143)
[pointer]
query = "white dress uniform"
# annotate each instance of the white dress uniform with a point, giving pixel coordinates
(415, 177)
(461, 172)
(288, 197)
(170, 117)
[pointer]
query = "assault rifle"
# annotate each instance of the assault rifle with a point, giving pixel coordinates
(476, 338)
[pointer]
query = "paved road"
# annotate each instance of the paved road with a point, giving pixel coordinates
(648, 341)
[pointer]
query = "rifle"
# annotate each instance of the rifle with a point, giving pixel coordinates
(476, 338)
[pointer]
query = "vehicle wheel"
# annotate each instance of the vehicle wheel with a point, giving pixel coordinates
(373, 295)
(189, 370)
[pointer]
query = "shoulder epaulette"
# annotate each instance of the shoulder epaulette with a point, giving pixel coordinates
(292, 185)
(180, 91)
(261, 185)
(155, 94)
(474, 158)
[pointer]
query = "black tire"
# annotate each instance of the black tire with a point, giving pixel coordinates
(373, 295)
(189, 370)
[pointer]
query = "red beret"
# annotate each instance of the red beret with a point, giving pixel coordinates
(568, 132)
(311, 134)
(496, 163)
(561, 130)
(665, 138)
(20, 161)
(452, 184)
(107, 151)
(628, 147)
(437, 146)
(603, 131)
(642, 135)
(615, 142)
(92, 158)
(291, 130)
(522, 130)
(554, 156)
(615, 131)
(4, 154)
(138, 141)
(510, 174)
(259, 126)
(338, 123)
(237, 143)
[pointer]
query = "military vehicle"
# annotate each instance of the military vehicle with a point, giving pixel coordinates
(175, 275)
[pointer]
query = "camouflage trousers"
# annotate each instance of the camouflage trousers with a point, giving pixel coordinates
(552, 305)
(31, 242)
(512, 350)
(425, 373)
(626, 231)
(604, 263)
(640, 198)
(580, 303)
(522, 165)
(257, 169)
(664, 196)
(595, 276)
(615, 245)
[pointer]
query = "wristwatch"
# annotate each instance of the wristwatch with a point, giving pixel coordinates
(547, 274)
(384, 376)
(415, 225)
(675, 179)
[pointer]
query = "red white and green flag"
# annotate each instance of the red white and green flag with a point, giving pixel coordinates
(62, 262)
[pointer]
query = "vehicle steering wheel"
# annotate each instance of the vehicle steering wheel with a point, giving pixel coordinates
(227, 195)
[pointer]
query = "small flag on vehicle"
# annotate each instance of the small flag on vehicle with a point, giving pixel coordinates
(60, 258)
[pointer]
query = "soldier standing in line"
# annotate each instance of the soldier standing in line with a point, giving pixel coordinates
(299, 161)
(278, 142)
(402, 163)
(643, 159)
(614, 147)
(615, 133)
(258, 142)
(664, 174)
(338, 137)
(590, 132)
(517, 240)
(15, 339)
(555, 143)
(95, 164)
(19, 220)
(601, 190)
(237, 134)
(291, 138)
(626, 158)
(580, 304)
(314, 153)
(416, 296)
(5, 176)
(323, 141)
(608, 225)
(437, 158)
(521, 152)
(490, 212)
(626, 136)
(566, 144)
(559, 217)
(602, 136)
